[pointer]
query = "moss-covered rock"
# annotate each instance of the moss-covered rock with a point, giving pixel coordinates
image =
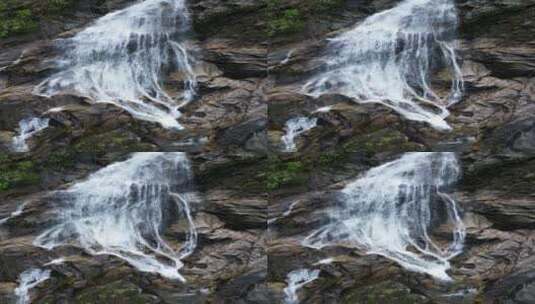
(281, 173)
(283, 19)
(119, 292)
(384, 292)
(21, 17)
(17, 173)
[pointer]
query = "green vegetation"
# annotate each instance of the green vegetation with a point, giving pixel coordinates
(384, 292)
(326, 5)
(59, 6)
(116, 140)
(60, 159)
(17, 22)
(369, 144)
(18, 173)
(120, 292)
(17, 18)
(290, 20)
(281, 173)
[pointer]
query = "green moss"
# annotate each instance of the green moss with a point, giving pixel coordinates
(60, 159)
(369, 144)
(281, 173)
(283, 19)
(116, 292)
(326, 5)
(59, 6)
(288, 21)
(17, 173)
(17, 18)
(384, 292)
(16, 22)
(117, 140)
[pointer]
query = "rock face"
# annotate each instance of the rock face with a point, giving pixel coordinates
(254, 204)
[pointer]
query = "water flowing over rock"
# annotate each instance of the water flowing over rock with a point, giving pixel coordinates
(359, 92)
(122, 58)
(294, 128)
(122, 210)
(297, 279)
(388, 211)
(28, 280)
(28, 127)
(388, 59)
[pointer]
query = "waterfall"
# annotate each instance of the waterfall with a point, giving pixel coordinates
(28, 127)
(295, 127)
(122, 209)
(297, 279)
(388, 59)
(121, 59)
(389, 210)
(28, 280)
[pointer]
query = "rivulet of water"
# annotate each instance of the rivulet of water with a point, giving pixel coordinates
(123, 57)
(297, 279)
(123, 209)
(390, 209)
(28, 280)
(389, 58)
(28, 127)
(295, 127)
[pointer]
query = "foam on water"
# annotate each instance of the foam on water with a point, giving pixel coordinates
(389, 57)
(28, 127)
(295, 127)
(390, 209)
(122, 209)
(122, 57)
(28, 280)
(297, 279)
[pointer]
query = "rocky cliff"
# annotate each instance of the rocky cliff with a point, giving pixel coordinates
(254, 202)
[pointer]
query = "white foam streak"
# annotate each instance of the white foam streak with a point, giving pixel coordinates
(389, 57)
(297, 279)
(295, 127)
(13, 214)
(28, 280)
(122, 58)
(122, 209)
(28, 128)
(388, 211)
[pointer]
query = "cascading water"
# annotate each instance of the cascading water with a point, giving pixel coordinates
(122, 57)
(388, 211)
(297, 279)
(122, 209)
(28, 280)
(389, 57)
(28, 128)
(295, 127)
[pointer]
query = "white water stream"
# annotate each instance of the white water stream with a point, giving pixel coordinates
(122, 58)
(389, 57)
(28, 280)
(122, 210)
(297, 279)
(389, 211)
(28, 127)
(295, 127)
